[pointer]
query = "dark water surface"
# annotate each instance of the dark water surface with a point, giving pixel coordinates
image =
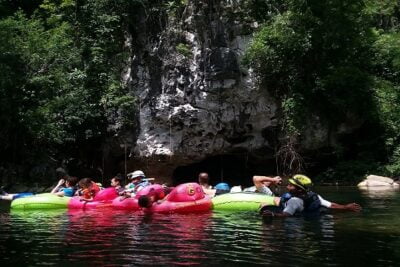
(115, 238)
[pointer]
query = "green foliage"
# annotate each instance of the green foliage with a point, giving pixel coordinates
(60, 74)
(317, 61)
(184, 50)
(387, 95)
(334, 59)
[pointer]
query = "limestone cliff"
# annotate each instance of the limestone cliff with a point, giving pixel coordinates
(194, 97)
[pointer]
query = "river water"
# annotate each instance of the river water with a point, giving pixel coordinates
(115, 238)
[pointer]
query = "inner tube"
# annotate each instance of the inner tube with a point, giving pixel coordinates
(40, 201)
(102, 199)
(131, 203)
(185, 198)
(20, 195)
(242, 201)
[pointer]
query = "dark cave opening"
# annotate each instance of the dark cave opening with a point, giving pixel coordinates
(234, 169)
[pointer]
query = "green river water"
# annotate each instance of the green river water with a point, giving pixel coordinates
(118, 238)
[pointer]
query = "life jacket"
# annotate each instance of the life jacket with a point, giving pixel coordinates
(311, 201)
(90, 192)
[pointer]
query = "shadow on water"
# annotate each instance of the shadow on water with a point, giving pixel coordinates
(114, 238)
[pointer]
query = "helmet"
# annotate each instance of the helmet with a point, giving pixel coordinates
(301, 181)
(136, 174)
(222, 188)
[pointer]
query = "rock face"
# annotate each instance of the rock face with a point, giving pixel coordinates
(194, 97)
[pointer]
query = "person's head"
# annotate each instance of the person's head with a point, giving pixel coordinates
(145, 201)
(299, 184)
(85, 183)
(61, 173)
(136, 176)
(203, 178)
(116, 181)
(222, 188)
(71, 181)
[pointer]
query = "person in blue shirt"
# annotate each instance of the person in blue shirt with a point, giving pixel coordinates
(65, 187)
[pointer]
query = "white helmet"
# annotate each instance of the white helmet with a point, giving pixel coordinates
(136, 174)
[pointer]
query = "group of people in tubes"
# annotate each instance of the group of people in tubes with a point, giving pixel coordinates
(298, 199)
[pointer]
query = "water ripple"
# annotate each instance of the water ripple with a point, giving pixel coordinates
(118, 238)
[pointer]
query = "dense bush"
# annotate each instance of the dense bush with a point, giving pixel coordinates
(335, 60)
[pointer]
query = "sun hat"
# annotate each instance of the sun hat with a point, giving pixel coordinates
(136, 174)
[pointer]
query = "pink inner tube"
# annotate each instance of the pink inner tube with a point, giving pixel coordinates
(131, 203)
(103, 199)
(125, 203)
(166, 206)
(184, 198)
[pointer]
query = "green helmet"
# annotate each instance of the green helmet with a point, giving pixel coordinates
(301, 181)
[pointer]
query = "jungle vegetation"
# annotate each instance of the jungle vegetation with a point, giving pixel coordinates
(61, 64)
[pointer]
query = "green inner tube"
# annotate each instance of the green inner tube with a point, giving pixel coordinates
(243, 201)
(40, 201)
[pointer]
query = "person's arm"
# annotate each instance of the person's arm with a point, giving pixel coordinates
(57, 187)
(86, 198)
(269, 213)
(332, 205)
(60, 194)
(260, 181)
(350, 207)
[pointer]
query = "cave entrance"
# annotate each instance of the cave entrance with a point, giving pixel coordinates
(234, 169)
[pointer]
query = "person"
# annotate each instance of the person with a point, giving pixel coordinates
(204, 183)
(137, 181)
(116, 182)
(236, 189)
(88, 189)
(146, 201)
(68, 190)
(61, 174)
(11, 196)
(263, 184)
(300, 199)
(222, 188)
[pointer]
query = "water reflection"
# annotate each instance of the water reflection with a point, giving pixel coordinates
(115, 238)
(379, 192)
(103, 238)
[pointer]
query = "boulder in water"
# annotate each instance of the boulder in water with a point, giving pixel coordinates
(375, 181)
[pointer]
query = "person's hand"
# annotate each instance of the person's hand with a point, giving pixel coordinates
(61, 182)
(265, 209)
(277, 180)
(267, 213)
(353, 207)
